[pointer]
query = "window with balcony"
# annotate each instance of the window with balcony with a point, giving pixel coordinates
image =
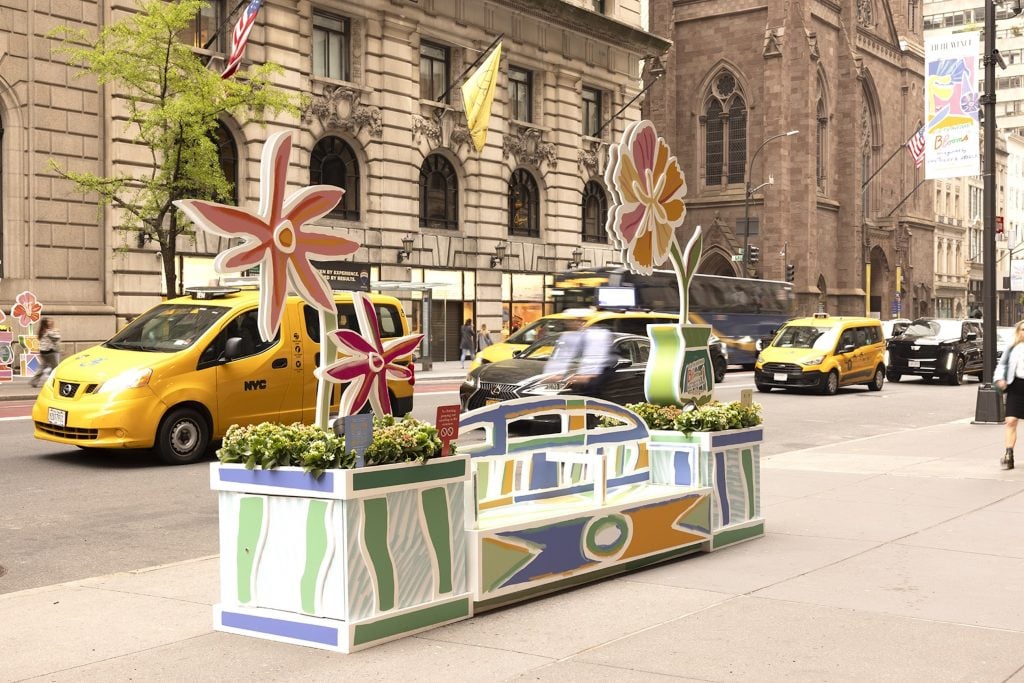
(332, 41)
(435, 68)
(591, 111)
(520, 94)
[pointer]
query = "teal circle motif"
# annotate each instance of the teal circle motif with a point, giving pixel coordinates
(6, 355)
(602, 524)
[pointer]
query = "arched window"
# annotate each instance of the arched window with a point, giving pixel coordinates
(334, 163)
(867, 156)
(595, 210)
(227, 155)
(523, 205)
(821, 171)
(725, 131)
(439, 194)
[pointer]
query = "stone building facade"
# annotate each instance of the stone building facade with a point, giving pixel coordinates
(427, 207)
(848, 76)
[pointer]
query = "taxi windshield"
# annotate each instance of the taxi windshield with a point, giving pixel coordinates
(167, 328)
(807, 337)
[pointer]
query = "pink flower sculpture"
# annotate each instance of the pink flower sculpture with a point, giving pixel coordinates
(368, 361)
(648, 188)
(27, 310)
(277, 237)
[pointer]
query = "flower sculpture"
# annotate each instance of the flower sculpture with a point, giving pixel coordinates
(277, 237)
(647, 189)
(368, 361)
(27, 309)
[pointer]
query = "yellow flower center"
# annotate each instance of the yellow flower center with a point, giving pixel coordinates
(284, 237)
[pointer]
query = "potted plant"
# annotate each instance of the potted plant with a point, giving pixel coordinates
(319, 552)
(715, 445)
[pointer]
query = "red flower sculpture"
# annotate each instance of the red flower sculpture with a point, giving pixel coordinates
(27, 310)
(368, 361)
(277, 237)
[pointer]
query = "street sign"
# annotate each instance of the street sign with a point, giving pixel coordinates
(737, 257)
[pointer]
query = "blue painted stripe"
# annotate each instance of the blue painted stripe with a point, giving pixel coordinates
(554, 493)
(310, 633)
(278, 479)
(731, 439)
(723, 493)
(635, 478)
(543, 472)
(681, 468)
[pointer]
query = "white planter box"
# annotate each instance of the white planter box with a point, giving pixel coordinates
(349, 560)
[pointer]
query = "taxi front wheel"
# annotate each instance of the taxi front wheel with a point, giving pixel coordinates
(183, 437)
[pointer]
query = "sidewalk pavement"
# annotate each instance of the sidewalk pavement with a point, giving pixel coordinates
(893, 557)
(19, 389)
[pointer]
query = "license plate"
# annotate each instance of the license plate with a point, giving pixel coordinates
(914, 363)
(57, 417)
(781, 377)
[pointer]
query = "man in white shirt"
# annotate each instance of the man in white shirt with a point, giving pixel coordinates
(582, 356)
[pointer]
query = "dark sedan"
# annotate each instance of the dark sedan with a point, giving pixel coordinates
(936, 347)
(524, 375)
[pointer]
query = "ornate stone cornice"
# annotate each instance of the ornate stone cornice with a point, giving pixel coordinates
(528, 146)
(591, 158)
(442, 124)
(338, 107)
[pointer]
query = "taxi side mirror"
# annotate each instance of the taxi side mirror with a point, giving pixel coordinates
(232, 349)
(846, 348)
(971, 336)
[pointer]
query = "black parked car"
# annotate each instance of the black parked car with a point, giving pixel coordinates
(524, 375)
(937, 347)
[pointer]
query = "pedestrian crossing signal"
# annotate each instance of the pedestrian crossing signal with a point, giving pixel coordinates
(790, 272)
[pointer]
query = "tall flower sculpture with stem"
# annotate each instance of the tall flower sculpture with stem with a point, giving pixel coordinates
(647, 188)
(279, 239)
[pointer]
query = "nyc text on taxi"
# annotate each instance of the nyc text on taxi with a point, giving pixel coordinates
(183, 372)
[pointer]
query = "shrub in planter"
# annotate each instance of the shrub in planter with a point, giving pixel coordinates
(269, 445)
(711, 417)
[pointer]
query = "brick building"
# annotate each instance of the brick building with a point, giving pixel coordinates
(848, 77)
(426, 206)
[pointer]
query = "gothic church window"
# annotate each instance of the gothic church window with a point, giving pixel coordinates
(822, 146)
(725, 132)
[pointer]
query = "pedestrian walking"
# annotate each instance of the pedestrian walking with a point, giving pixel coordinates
(483, 338)
(467, 342)
(49, 350)
(1009, 378)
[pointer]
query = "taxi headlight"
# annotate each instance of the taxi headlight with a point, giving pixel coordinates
(813, 361)
(131, 379)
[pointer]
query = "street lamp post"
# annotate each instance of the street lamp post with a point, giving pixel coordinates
(746, 200)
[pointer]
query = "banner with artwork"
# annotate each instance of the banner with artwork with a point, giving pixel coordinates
(951, 104)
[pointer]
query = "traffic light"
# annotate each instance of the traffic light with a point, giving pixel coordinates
(755, 256)
(790, 272)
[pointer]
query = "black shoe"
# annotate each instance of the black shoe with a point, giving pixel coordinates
(1007, 461)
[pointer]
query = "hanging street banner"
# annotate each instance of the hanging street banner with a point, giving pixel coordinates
(951, 104)
(1017, 275)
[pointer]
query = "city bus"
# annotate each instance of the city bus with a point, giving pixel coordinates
(740, 310)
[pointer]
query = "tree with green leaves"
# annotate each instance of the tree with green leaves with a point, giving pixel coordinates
(173, 104)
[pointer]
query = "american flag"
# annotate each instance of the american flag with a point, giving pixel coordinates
(240, 36)
(916, 147)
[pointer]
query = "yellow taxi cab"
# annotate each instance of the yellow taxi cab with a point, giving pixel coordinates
(183, 372)
(823, 353)
(628, 322)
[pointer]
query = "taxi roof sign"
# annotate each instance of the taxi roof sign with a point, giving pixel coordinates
(201, 293)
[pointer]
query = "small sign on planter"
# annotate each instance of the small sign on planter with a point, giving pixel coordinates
(447, 422)
(358, 435)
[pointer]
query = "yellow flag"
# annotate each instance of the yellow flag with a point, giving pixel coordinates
(478, 95)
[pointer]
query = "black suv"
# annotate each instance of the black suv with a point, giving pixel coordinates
(937, 347)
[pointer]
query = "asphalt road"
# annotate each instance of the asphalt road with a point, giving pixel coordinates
(67, 513)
